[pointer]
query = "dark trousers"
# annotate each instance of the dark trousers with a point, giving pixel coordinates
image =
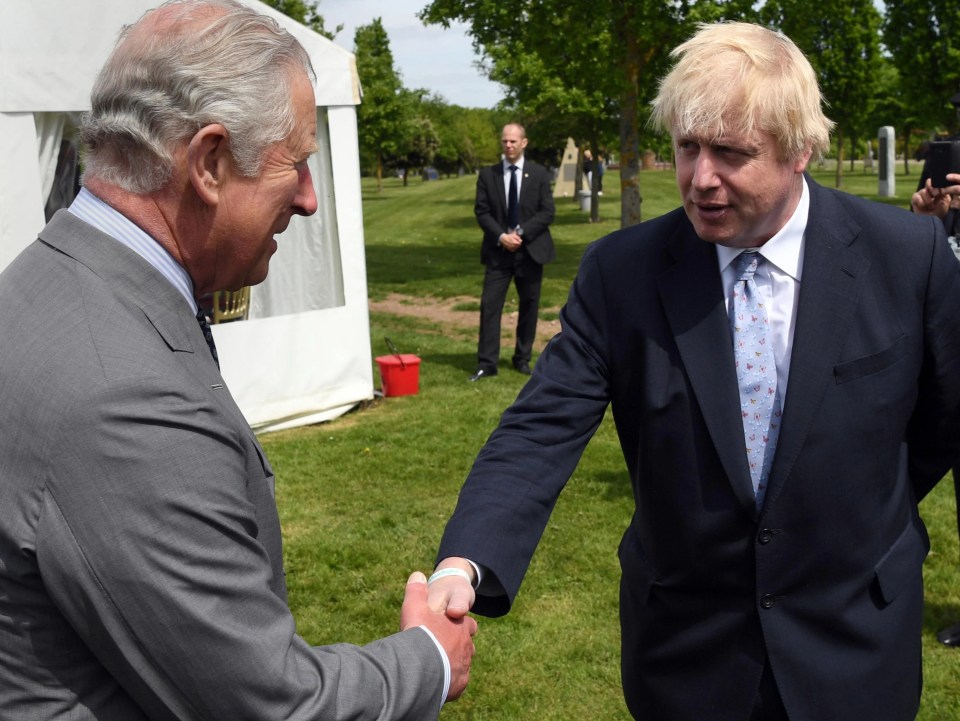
(528, 277)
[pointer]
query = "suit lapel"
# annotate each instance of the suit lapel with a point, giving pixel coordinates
(130, 277)
(526, 185)
(127, 274)
(692, 295)
(830, 288)
(133, 279)
(496, 171)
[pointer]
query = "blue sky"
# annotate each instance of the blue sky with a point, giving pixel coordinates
(439, 60)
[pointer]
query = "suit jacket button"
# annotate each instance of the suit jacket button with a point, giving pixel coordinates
(766, 535)
(767, 601)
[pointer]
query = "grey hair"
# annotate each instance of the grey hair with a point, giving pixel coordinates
(183, 66)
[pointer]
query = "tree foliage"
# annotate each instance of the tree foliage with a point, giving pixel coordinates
(585, 68)
(385, 113)
(588, 69)
(841, 38)
(468, 137)
(305, 13)
(923, 38)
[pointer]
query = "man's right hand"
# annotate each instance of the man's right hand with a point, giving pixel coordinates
(454, 634)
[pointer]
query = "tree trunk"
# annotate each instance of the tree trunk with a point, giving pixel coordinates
(853, 150)
(906, 151)
(578, 175)
(379, 173)
(630, 197)
(839, 180)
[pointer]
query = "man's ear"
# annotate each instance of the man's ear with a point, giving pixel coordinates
(801, 163)
(208, 161)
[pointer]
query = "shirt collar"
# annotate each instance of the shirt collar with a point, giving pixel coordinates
(93, 211)
(785, 249)
(519, 164)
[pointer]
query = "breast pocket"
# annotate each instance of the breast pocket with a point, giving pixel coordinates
(874, 363)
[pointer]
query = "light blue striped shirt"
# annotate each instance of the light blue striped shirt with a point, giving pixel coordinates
(93, 211)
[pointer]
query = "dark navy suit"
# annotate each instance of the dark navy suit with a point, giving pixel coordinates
(824, 584)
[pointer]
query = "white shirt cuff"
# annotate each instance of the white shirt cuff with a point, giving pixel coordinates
(446, 665)
(478, 570)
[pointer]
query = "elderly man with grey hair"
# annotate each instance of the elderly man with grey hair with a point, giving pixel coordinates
(141, 572)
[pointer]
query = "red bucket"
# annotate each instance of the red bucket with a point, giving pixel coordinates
(400, 374)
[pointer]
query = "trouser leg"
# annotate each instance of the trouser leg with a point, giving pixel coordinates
(528, 285)
(496, 281)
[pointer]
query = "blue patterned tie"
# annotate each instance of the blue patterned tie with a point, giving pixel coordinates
(756, 371)
(208, 335)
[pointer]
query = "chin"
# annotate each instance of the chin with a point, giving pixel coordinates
(257, 275)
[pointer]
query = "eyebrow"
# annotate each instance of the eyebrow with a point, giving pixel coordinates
(312, 147)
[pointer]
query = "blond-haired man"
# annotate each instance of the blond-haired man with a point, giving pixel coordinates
(783, 364)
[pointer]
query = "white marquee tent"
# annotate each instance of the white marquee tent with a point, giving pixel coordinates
(304, 353)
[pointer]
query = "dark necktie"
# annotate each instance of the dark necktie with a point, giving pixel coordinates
(756, 371)
(513, 212)
(208, 335)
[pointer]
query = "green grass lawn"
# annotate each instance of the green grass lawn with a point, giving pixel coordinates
(364, 499)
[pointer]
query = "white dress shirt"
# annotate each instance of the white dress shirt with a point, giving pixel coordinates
(506, 178)
(778, 281)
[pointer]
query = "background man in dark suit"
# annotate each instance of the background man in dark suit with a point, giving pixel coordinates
(514, 208)
(783, 363)
(141, 570)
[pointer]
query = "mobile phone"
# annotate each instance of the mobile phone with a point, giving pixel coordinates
(943, 157)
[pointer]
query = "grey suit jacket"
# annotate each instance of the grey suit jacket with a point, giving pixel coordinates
(140, 555)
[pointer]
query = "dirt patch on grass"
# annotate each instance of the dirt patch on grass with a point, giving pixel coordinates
(444, 312)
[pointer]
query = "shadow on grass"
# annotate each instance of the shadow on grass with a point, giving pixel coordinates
(616, 484)
(938, 615)
(400, 264)
(466, 362)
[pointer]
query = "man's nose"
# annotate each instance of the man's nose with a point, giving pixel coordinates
(306, 201)
(705, 171)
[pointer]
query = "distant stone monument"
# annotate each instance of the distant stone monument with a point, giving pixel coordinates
(868, 161)
(565, 186)
(886, 183)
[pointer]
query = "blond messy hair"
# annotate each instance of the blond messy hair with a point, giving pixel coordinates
(735, 77)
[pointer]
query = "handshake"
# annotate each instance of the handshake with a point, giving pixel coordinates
(441, 607)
